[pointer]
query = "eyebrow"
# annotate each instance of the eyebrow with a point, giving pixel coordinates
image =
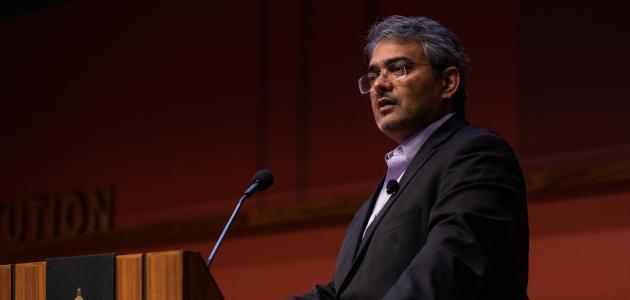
(390, 61)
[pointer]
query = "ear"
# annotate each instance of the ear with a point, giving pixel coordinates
(450, 81)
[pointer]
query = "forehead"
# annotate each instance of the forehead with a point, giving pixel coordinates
(388, 49)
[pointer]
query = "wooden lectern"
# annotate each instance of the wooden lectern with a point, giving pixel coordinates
(169, 275)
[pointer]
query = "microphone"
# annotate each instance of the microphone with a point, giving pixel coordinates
(262, 181)
(392, 187)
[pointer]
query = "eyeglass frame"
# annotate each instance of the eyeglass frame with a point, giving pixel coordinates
(385, 71)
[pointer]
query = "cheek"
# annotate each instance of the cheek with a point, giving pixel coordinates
(413, 97)
(373, 101)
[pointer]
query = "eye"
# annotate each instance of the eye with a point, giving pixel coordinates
(372, 76)
(397, 68)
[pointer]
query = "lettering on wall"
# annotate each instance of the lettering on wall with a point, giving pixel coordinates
(56, 217)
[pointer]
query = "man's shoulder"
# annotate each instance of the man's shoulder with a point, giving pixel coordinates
(469, 132)
(477, 138)
(457, 129)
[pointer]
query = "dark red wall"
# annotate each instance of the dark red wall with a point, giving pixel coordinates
(573, 82)
(183, 101)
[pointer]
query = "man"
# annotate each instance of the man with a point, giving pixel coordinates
(449, 220)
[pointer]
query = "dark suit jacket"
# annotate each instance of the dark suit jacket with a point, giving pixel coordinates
(456, 228)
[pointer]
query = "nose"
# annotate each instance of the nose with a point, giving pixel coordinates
(382, 85)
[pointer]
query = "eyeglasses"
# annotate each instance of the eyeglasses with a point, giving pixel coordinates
(392, 72)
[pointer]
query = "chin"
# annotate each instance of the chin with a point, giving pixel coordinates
(396, 127)
(389, 128)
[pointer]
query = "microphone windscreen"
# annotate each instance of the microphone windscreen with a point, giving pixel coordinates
(264, 178)
(392, 186)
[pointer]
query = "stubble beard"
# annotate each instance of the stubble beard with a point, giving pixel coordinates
(400, 127)
(395, 128)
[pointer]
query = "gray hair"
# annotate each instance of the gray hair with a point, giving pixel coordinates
(440, 46)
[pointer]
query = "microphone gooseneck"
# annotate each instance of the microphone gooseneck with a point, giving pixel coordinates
(392, 187)
(262, 181)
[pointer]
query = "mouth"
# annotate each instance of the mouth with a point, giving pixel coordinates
(385, 103)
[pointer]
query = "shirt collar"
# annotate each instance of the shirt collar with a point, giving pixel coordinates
(409, 147)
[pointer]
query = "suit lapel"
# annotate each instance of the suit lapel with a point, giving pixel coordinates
(441, 135)
(348, 252)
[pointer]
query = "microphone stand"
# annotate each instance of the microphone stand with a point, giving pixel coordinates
(247, 193)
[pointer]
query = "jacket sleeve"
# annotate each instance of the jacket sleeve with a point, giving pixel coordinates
(319, 292)
(480, 203)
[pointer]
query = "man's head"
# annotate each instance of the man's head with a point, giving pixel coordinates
(418, 73)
